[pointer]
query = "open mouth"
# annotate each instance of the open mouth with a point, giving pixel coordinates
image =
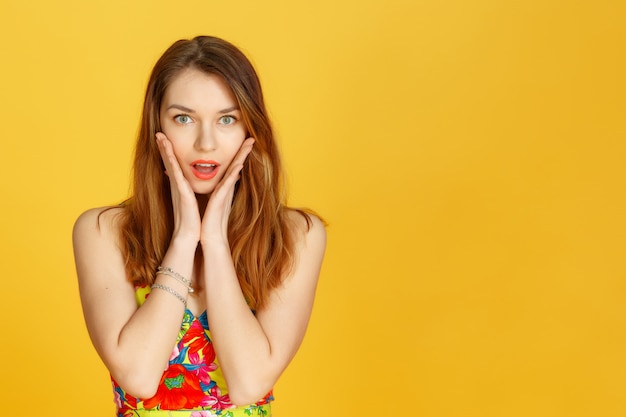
(205, 170)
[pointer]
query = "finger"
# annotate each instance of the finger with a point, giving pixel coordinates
(240, 157)
(225, 189)
(232, 177)
(167, 154)
(244, 151)
(159, 139)
(172, 167)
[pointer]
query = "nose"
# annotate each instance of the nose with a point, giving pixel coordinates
(205, 141)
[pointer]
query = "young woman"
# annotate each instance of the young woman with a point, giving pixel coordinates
(205, 242)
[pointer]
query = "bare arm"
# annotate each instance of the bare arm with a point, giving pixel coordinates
(134, 343)
(254, 350)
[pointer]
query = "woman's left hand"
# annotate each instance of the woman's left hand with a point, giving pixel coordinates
(215, 220)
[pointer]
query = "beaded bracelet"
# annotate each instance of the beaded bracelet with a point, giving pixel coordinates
(171, 291)
(171, 273)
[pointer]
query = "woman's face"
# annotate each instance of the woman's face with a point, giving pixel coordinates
(200, 116)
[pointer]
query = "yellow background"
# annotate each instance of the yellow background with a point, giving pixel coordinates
(468, 156)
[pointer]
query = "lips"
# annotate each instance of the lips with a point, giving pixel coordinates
(204, 170)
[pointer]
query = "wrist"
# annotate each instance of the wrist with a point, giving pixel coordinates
(183, 243)
(180, 255)
(214, 245)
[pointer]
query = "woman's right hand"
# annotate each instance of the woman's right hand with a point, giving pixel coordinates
(187, 219)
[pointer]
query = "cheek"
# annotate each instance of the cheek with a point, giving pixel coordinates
(241, 135)
(233, 139)
(180, 139)
(178, 147)
(236, 143)
(170, 131)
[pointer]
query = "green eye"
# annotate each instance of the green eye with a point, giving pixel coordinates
(183, 119)
(227, 120)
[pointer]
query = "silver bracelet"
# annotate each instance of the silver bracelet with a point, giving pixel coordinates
(171, 273)
(171, 291)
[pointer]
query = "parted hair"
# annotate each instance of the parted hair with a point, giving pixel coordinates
(261, 243)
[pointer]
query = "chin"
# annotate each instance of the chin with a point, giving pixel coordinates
(203, 191)
(201, 187)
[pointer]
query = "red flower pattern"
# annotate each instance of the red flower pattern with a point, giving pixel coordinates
(179, 389)
(181, 386)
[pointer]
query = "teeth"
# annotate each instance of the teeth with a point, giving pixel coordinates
(205, 165)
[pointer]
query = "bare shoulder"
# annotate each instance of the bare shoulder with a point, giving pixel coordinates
(309, 237)
(307, 229)
(96, 245)
(102, 221)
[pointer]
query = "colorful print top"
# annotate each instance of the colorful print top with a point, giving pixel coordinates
(193, 379)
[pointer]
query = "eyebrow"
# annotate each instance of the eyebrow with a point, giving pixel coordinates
(188, 110)
(179, 107)
(229, 109)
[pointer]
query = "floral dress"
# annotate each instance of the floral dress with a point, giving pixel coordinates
(193, 384)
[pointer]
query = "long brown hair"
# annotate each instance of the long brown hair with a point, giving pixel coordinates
(258, 228)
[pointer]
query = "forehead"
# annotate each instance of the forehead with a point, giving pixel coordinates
(198, 90)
